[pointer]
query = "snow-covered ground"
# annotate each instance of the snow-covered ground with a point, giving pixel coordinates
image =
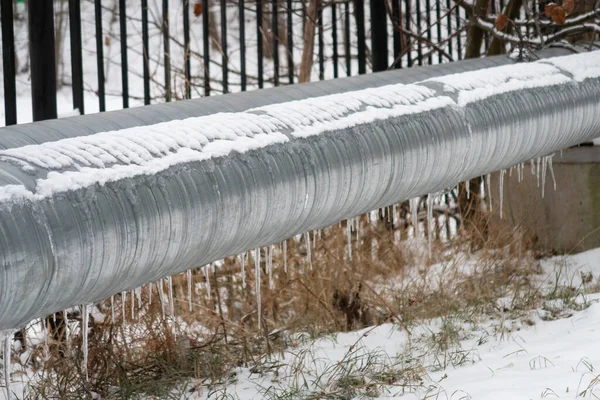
(551, 353)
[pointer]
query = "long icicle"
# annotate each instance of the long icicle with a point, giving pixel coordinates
(112, 309)
(189, 285)
(430, 222)
(502, 190)
(171, 299)
(308, 252)
(488, 181)
(257, 285)
(349, 236)
(123, 306)
(552, 170)
(7, 339)
(284, 256)
(85, 317)
(271, 267)
(243, 264)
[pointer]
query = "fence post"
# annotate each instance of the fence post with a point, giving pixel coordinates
(76, 54)
(8, 62)
(43, 59)
(379, 40)
(359, 15)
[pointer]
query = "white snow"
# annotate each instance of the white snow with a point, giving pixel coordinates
(497, 359)
(85, 161)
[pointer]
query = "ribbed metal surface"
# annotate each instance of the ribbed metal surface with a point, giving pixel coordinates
(84, 245)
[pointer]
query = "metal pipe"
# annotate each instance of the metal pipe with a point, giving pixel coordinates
(98, 204)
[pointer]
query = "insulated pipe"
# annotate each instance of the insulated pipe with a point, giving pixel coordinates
(94, 205)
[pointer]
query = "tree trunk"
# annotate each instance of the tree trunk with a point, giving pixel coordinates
(475, 34)
(309, 41)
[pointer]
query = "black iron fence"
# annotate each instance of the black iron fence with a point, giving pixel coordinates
(179, 49)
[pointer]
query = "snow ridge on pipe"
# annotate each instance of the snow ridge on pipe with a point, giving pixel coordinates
(90, 215)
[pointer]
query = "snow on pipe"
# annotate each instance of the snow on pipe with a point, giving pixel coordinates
(94, 205)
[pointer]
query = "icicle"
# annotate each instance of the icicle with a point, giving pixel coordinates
(161, 296)
(414, 214)
(320, 231)
(532, 166)
(7, 340)
(150, 294)
(394, 214)
(189, 285)
(468, 189)
(207, 277)
(501, 190)
(257, 285)
(544, 161)
(537, 171)
(349, 236)
(519, 173)
(489, 189)
(132, 294)
(123, 303)
(308, 252)
(552, 170)
(85, 317)
(357, 228)
(171, 301)
(510, 171)
(430, 222)
(138, 296)
(112, 309)
(270, 263)
(285, 256)
(66, 317)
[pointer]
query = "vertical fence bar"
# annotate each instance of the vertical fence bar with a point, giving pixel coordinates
(242, 13)
(418, 32)
(359, 15)
(334, 39)
(123, 37)
(146, 58)
(8, 62)
(347, 47)
(429, 35)
(407, 13)
(76, 54)
(42, 59)
(275, 42)
(458, 36)
(259, 41)
(224, 57)
(206, 47)
(379, 40)
(321, 43)
(397, 24)
(290, 42)
(100, 55)
(438, 17)
(166, 48)
(186, 49)
(449, 26)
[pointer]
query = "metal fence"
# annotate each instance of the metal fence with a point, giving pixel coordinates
(184, 49)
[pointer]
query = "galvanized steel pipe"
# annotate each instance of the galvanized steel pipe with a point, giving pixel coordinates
(94, 205)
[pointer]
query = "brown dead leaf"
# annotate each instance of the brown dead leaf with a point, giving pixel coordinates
(198, 9)
(569, 6)
(549, 9)
(501, 22)
(107, 40)
(559, 15)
